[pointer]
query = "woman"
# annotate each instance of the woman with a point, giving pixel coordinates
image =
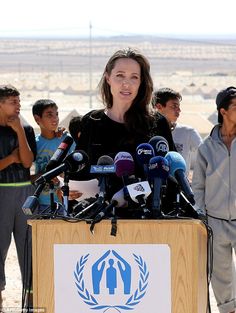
(126, 88)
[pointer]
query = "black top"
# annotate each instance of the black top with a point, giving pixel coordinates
(15, 172)
(102, 136)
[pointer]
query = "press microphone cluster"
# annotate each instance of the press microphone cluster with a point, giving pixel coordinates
(144, 193)
(74, 162)
(142, 180)
(133, 191)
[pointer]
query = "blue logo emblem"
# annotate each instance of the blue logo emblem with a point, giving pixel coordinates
(110, 265)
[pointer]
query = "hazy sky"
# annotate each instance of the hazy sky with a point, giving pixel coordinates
(114, 17)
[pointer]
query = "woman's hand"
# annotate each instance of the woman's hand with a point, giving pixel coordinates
(74, 194)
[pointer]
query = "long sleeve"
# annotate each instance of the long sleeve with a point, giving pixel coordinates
(199, 180)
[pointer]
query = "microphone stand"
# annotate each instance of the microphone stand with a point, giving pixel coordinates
(53, 207)
(65, 189)
(113, 222)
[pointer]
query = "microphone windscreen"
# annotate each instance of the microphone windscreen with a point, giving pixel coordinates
(176, 162)
(124, 163)
(159, 167)
(105, 160)
(160, 145)
(76, 161)
(144, 153)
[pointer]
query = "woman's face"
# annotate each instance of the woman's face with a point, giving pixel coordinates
(124, 81)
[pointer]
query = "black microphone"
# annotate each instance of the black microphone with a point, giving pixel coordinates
(74, 162)
(158, 171)
(177, 170)
(105, 166)
(117, 201)
(60, 153)
(160, 145)
(32, 202)
(144, 152)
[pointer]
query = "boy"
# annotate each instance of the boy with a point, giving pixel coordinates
(17, 152)
(214, 181)
(45, 112)
(167, 102)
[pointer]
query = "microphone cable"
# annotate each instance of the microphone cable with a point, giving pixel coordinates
(27, 289)
(209, 262)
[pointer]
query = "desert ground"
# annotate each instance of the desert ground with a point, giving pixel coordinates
(68, 71)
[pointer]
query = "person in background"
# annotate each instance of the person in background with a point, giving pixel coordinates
(186, 139)
(17, 152)
(75, 131)
(45, 112)
(214, 181)
(75, 127)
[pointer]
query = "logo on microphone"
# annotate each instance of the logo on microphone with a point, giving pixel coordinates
(162, 146)
(145, 151)
(77, 156)
(139, 187)
(102, 169)
(123, 156)
(112, 281)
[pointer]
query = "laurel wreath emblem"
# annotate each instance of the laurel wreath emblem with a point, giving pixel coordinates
(132, 301)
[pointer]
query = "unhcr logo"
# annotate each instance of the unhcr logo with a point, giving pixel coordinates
(118, 274)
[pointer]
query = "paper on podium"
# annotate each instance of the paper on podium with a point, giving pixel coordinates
(88, 188)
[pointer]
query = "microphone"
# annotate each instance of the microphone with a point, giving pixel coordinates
(139, 192)
(158, 171)
(60, 153)
(117, 201)
(177, 170)
(74, 162)
(32, 202)
(125, 166)
(160, 145)
(105, 166)
(144, 152)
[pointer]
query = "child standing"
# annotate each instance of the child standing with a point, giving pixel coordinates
(45, 112)
(17, 151)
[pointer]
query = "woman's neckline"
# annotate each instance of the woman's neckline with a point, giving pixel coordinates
(110, 116)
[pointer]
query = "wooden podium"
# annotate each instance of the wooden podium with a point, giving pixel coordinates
(187, 240)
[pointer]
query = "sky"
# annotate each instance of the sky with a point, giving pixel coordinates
(72, 18)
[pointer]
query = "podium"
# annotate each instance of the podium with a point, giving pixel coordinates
(187, 241)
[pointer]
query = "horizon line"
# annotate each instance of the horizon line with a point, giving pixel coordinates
(161, 36)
